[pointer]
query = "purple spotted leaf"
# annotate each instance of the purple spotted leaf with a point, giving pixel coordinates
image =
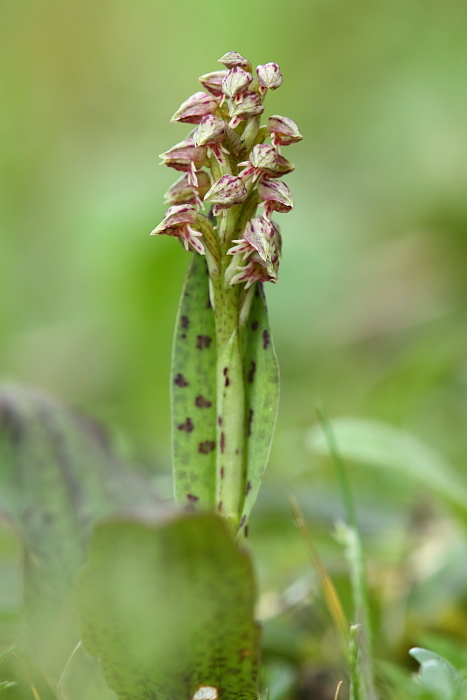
(167, 605)
(261, 372)
(193, 392)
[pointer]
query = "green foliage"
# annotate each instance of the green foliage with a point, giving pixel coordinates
(438, 677)
(193, 388)
(379, 445)
(168, 606)
(261, 372)
(58, 477)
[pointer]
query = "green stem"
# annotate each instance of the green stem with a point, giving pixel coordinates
(230, 454)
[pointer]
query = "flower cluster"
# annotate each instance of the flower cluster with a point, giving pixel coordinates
(226, 163)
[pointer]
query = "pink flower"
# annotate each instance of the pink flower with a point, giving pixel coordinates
(236, 82)
(185, 157)
(276, 196)
(232, 59)
(283, 130)
(269, 76)
(226, 192)
(264, 160)
(250, 106)
(195, 108)
(261, 245)
(178, 222)
(183, 192)
(212, 82)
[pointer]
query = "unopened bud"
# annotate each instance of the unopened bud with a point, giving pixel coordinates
(232, 59)
(276, 195)
(284, 130)
(226, 192)
(212, 82)
(211, 130)
(195, 108)
(269, 76)
(236, 81)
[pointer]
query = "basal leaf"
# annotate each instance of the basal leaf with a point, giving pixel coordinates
(261, 372)
(168, 606)
(193, 387)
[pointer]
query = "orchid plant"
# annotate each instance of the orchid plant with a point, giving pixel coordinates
(224, 374)
(146, 583)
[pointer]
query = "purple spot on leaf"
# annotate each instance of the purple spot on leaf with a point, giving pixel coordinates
(181, 381)
(203, 341)
(251, 373)
(246, 530)
(187, 426)
(184, 321)
(201, 402)
(250, 419)
(222, 472)
(254, 326)
(205, 447)
(222, 442)
(242, 521)
(265, 340)
(248, 487)
(192, 498)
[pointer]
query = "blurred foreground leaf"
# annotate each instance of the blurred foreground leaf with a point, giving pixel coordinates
(168, 607)
(438, 676)
(380, 445)
(58, 476)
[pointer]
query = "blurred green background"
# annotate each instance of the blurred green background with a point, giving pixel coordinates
(370, 313)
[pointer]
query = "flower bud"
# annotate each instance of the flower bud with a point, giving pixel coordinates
(183, 192)
(212, 82)
(184, 155)
(226, 192)
(195, 108)
(236, 81)
(232, 59)
(211, 130)
(269, 76)
(250, 106)
(178, 222)
(284, 130)
(276, 195)
(265, 160)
